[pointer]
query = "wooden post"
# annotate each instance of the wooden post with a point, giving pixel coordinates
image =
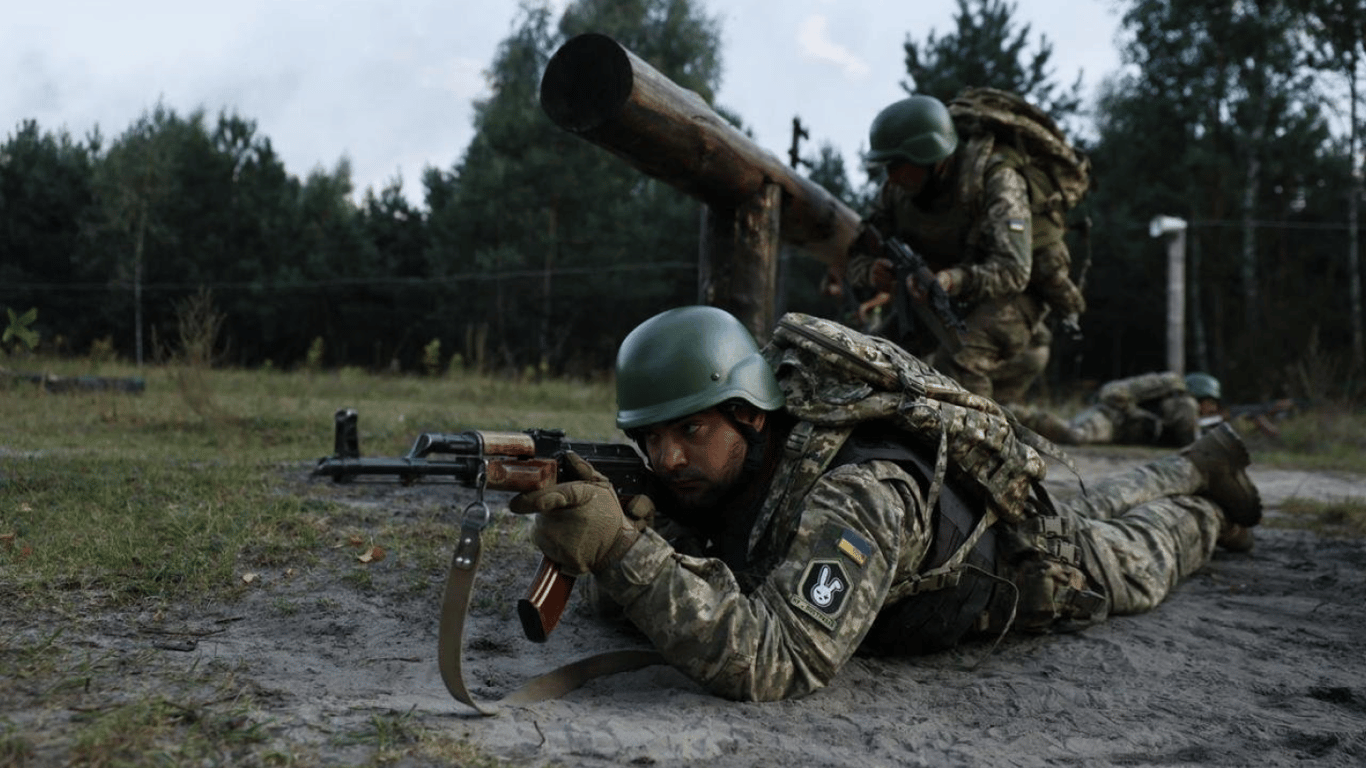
(599, 90)
(738, 270)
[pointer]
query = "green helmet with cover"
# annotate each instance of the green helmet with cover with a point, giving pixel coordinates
(918, 130)
(686, 360)
(1203, 385)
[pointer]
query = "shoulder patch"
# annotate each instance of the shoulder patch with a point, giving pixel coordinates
(854, 546)
(823, 591)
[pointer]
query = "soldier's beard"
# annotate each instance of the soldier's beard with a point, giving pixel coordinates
(705, 498)
(694, 491)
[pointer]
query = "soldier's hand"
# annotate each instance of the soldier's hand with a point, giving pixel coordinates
(832, 284)
(579, 524)
(883, 275)
(640, 511)
(951, 280)
(1071, 325)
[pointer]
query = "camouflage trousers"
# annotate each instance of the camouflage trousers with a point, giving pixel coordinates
(1013, 378)
(1141, 532)
(999, 346)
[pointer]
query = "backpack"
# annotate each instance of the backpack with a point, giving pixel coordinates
(1061, 172)
(1125, 394)
(836, 379)
(834, 376)
(1000, 127)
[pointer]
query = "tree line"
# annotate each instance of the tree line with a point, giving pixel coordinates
(538, 250)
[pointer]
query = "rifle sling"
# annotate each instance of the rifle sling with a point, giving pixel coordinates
(455, 604)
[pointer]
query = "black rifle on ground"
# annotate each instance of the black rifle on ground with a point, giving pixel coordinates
(1271, 408)
(929, 304)
(499, 461)
(1261, 415)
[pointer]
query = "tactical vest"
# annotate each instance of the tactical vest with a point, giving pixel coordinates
(940, 232)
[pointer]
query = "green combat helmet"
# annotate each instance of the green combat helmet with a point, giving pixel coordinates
(1203, 385)
(918, 130)
(687, 360)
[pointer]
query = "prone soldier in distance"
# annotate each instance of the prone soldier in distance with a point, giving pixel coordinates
(1148, 409)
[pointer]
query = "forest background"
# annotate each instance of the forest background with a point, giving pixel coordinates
(538, 251)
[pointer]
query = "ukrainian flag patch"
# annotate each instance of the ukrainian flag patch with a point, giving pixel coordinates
(854, 547)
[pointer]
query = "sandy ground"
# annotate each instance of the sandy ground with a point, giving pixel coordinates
(1260, 659)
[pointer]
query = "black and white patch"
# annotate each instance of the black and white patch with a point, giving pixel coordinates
(824, 591)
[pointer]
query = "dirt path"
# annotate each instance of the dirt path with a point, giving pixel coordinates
(1260, 659)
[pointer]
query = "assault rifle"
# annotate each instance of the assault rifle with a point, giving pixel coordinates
(1260, 414)
(499, 461)
(929, 304)
(1277, 408)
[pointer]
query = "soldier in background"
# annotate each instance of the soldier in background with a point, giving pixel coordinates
(1209, 396)
(1149, 409)
(992, 233)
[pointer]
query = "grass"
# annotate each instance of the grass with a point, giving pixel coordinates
(1329, 438)
(1341, 518)
(151, 495)
(176, 497)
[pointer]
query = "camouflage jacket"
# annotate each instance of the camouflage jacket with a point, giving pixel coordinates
(987, 233)
(838, 540)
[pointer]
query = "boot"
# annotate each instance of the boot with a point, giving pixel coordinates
(1235, 538)
(1222, 458)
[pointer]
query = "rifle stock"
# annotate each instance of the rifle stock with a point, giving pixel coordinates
(508, 461)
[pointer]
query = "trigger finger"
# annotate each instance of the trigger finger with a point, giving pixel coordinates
(582, 468)
(536, 502)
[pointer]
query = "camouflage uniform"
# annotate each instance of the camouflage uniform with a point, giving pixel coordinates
(1015, 376)
(1149, 409)
(833, 547)
(980, 220)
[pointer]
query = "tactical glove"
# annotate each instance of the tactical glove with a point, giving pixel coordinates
(952, 280)
(580, 524)
(640, 511)
(1071, 325)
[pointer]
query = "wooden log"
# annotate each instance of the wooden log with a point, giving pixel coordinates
(601, 91)
(738, 266)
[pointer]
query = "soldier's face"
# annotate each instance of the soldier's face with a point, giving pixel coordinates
(908, 176)
(699, 457)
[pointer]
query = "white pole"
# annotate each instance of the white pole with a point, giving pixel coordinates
(1174, 230)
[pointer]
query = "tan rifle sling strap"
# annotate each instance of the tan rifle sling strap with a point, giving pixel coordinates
(455, 606)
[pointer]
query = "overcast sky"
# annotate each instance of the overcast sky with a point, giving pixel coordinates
(389, 84)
